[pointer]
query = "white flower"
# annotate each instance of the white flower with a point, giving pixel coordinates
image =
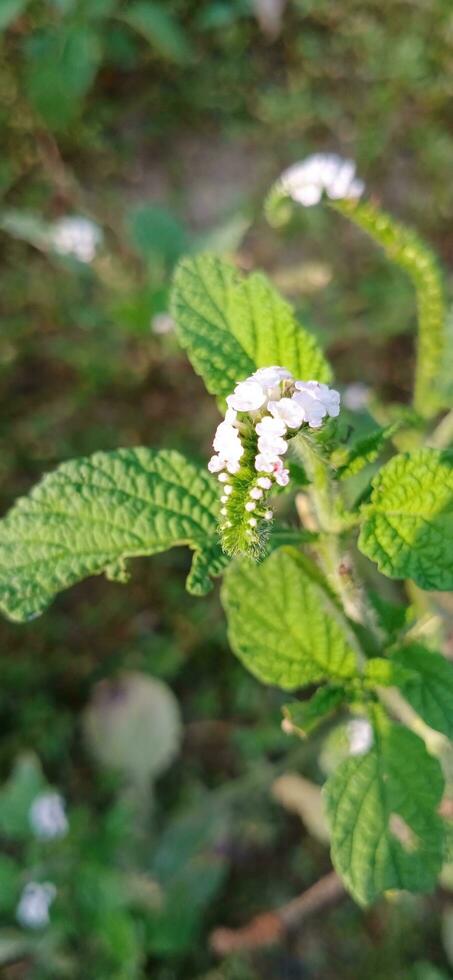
(288, 411)
(356, 396)
(270, 426)
(256, 493)
(317, 400)
(271, 445)
(47, 816)
(216, 464)
(76, 236)
(305, 182)
(360, 736)
(250, 505)
(268, 377)
(247, 396)
(228, 444)
(35, 901)
(329, 397)
(264, 482)
(282, 476)
(264, 463)
(162, 323)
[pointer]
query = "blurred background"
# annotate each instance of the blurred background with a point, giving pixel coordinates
(132, 133)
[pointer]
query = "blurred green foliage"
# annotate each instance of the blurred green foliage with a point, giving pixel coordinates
(164, 123)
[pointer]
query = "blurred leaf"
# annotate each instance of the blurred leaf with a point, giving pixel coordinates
(13, 945)
(61, 67)
(158, 26)
(10, 883)
(91, 513)
(298, 638)
(190, 870)
(133, 724)
(27, 227)
(9, 10)
(156, 233)
(17, 795)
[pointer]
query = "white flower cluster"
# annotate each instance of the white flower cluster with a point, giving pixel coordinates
(277, 405)
(76, 236)
(305, 182)
(35, 901)
(47, 816)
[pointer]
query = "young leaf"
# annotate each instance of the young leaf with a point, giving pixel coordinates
(364, 451)
(382, 808)
(302, 717)
(91, 514)
(283, 623)
(408, 526)
(428, 685)
(230, 326)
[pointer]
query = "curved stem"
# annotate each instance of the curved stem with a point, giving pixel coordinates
(404, 248)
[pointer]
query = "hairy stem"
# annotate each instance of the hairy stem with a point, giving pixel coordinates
(404, 248)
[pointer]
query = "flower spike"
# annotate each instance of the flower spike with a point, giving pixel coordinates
(264, 412)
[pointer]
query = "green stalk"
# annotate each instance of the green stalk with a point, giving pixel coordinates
(403, 247)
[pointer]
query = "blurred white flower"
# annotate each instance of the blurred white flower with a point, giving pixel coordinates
(360, 736)
(356, 396)
(76, 236)
(35, 901)
(162, 323)
(306, 181)
(47, 816)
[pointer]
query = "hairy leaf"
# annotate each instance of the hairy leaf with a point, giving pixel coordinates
(230, 326)
(427, 685)
(386, 833)
(91, 514)
(408, 526)
(352, 460)
(283, 623)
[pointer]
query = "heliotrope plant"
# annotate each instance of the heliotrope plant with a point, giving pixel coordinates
(298, 599)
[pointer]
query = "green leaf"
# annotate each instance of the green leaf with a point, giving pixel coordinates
(157, 25)
(283, 624)
(92, 513)
(408, 526)
(382, 672)
(386, 833)
(61, 69)
(230, 326)
(427, 685)
(352, 460)
(302, 717)
(10, 10)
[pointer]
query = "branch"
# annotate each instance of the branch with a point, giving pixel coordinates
(270, 927)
